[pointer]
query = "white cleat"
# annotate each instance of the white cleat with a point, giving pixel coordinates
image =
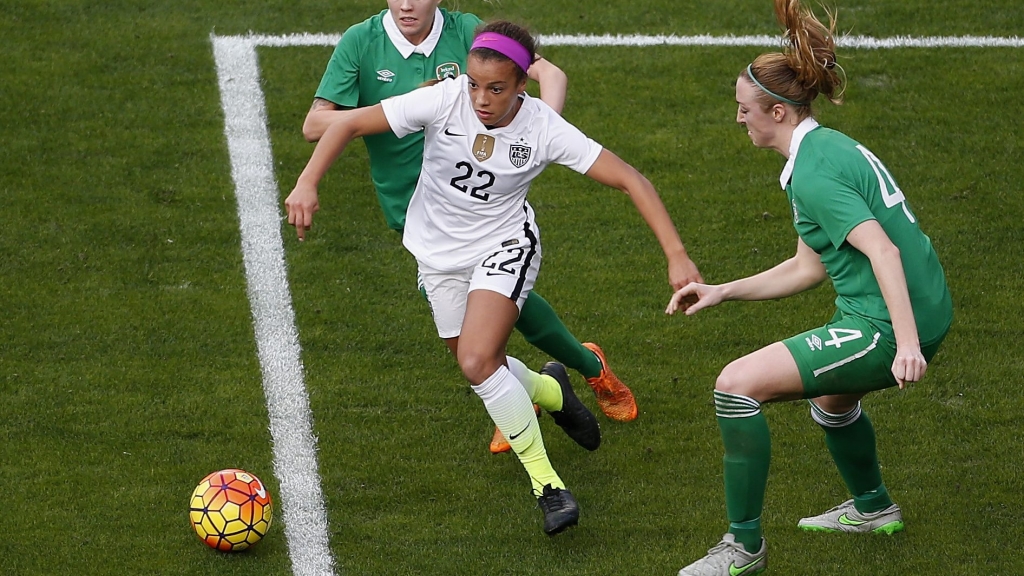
(729, 558)
(846, 518)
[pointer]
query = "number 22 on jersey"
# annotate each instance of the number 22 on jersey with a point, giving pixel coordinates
(475, 191)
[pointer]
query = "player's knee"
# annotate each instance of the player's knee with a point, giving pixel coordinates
(837, 405)
(735, 380)
(476, 366)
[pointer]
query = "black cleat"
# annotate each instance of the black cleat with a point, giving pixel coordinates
(577, 421)
(560, 509)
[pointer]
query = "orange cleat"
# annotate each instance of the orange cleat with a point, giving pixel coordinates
(614, 398)
(498, 442)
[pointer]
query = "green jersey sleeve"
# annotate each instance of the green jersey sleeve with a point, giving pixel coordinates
(464, 25)
(340, 82)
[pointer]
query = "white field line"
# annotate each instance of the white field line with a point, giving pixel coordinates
(252, 168)
(277, 341)
(636, 40)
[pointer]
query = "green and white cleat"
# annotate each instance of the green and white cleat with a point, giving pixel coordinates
(846, 518)
(729, 558)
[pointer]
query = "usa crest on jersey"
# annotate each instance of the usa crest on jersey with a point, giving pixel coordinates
(519, 155)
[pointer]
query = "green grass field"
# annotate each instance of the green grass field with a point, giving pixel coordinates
(128, 365)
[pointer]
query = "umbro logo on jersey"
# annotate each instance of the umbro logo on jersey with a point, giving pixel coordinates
(385, 75)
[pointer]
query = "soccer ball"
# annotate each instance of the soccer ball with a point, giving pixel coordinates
(230, 510)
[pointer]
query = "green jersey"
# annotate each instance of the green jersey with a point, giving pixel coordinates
(834, 184)
(373, 61)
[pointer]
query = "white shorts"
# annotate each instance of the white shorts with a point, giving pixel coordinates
(510, 272)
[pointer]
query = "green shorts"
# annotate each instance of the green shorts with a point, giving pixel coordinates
(849, 355)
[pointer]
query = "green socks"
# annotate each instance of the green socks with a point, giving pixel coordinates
(748, 450)
(851, 441)
(541, 327)
(850, 438)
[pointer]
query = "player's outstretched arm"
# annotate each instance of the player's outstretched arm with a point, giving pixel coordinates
(801, 272)
(611, 170)
(303, 201)
(553, 83)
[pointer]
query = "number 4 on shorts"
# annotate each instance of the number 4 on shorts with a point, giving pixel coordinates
(840, 335)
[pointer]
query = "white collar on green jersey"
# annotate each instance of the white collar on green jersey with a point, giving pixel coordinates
(406, 48)
(799, 132)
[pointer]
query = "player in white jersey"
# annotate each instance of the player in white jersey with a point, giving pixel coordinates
(475, 239)
(471, 195)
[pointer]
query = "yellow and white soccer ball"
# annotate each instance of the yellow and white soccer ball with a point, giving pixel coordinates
(231, 510)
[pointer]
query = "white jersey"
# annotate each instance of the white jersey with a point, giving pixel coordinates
(471, 195)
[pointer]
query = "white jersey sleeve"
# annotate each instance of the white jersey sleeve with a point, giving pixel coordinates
(414, 111)
(568, 145)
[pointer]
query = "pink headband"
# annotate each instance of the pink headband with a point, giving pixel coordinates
(506, 46)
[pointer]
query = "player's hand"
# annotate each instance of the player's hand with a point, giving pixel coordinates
(682, 271)
(909, 365)
(301, 204)
(694, 297)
